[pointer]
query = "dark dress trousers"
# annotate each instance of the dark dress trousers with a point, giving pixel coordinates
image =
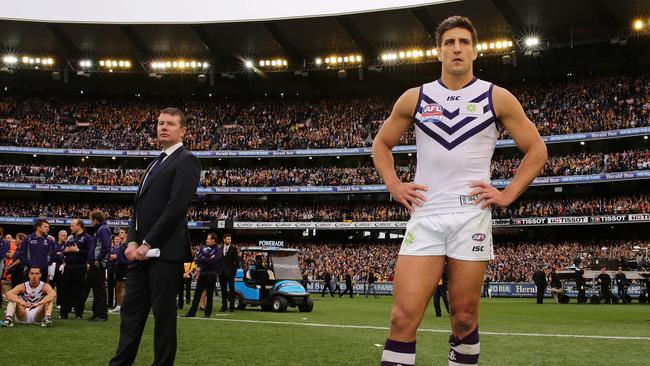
(228, 270)
(159, 218)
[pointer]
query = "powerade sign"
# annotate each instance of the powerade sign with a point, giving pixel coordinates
(271, 243)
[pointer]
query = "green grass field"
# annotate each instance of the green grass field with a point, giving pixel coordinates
(352, 332)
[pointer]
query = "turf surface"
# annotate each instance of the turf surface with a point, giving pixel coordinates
(352, 332)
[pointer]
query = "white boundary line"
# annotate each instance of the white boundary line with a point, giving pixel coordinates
(343, 326)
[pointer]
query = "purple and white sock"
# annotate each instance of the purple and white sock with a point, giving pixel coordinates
(464, 351)
(398, 353)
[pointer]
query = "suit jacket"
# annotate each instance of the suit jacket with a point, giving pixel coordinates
(539, 277)
(229, 262)
(160, 212)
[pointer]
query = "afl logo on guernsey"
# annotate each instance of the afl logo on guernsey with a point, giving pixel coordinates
(431, 113)
(478, 237)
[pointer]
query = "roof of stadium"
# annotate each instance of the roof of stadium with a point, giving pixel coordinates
(560, 23)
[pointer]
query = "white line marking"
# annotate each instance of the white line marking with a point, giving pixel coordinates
(371, 327)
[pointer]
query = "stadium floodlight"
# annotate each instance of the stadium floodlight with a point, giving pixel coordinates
(638, 25)
(318, 61)
(248, 64)
(10, 60)
(85, 63)
(531, 42)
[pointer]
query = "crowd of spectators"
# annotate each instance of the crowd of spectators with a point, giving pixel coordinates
(595, 103)
(516, 261)
(584, 163)
(334, 212)
(579, 164)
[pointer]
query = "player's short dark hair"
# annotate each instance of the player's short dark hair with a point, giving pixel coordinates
(36, 267)
(175, 112)
(97, 215)
(39, 223)
(126, 231)
(213, 235)
(227, 236)
(452, 22)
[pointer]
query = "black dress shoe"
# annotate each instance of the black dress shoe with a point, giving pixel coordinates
(188, 316)
(97, 319)
(223, 310)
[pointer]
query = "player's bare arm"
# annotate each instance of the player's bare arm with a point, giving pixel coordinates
(511, 114)
(13, 295)
(395, 126)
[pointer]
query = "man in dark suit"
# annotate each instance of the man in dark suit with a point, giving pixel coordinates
(229, 265)
(349, 287)
(539, 277)
(605, 282)
(158, 222)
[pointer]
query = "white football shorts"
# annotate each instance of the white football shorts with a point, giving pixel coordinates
(458, 235)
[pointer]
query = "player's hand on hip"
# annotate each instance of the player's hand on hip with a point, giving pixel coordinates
(408, 194)
(488, 195)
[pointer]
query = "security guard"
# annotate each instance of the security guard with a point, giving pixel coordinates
(441, 292)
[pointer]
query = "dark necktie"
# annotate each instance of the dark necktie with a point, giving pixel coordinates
(154, 169)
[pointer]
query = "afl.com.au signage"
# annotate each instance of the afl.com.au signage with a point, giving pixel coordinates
(191, 11)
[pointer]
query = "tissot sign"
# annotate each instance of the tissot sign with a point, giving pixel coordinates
(190, 11)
